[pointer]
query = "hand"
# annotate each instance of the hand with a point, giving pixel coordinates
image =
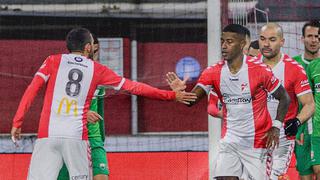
(300, 141)
(272, 137)
(15, 135)
(291, 127)
(185, 97)
(93, 117)
(175, 82)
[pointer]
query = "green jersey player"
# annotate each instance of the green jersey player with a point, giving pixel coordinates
(310, 38)
(314, 75)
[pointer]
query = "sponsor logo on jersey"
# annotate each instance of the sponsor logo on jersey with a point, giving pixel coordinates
(230, 99)
(304, 83)
(78, 59)
(317, 87)
(231, 78)
(77, 63)
(65, 102)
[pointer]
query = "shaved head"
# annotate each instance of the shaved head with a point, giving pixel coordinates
(274, 26)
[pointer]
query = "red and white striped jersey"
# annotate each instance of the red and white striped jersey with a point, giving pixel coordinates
(71, 81)
(244, 99)
(294, 79)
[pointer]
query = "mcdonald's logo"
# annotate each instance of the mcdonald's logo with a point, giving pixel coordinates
(68, 106)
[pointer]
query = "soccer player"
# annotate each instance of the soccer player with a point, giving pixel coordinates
(96, 132)
(254, 49)
(213, 100)
(314, 75)
(241, 84)
(71, 80)
(294, 79)
(310, 39)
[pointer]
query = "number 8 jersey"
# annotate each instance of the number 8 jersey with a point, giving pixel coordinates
(71, 81)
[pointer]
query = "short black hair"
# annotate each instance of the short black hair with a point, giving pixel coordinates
(313, 23)
(237, 28)
(254, 44)
(77, 38)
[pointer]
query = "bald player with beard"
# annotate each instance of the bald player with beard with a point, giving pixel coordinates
(294, 79)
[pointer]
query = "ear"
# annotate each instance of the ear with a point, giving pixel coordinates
(302, 39)
(282, 42)
(87, 47)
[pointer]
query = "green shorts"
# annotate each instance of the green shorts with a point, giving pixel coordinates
(303, 152)
(315, 150)
(98, 157)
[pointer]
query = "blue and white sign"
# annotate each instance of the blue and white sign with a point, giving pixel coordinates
(188, 67)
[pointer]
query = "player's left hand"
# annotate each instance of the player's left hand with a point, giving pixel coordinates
(291, 126)
(93, 117)
(272, 138)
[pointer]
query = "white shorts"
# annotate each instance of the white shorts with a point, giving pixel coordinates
(281, 157)
(50, 153)
(242, 162)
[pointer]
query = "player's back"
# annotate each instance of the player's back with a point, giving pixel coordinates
(68, 95)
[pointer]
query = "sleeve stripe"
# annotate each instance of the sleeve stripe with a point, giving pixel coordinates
(120, 84)
(304, 92)
(279, 83)
(44, 77)
(205, 88)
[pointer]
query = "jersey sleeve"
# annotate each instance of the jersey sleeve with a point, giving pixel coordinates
(301, 83)
(270, 82)
(206, 79)
(213, 104)
(27, 98)
(109, 78)
(146, 90)
(44, 70)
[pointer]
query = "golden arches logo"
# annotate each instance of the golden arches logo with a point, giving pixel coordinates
(68, 106)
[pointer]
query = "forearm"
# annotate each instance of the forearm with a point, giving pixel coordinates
(27, 99)
(282, 110)
(284, 102)
(200, 94)
(142, 89)
(306, 112)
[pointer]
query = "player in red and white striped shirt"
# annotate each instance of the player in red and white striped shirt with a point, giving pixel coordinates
(294, 79)
(71, 80)
(241, 83)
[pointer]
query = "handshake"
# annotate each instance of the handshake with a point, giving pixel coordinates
(291, 127)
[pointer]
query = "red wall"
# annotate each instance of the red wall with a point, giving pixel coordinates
(133, 166)
(20, 59)
(155, 60)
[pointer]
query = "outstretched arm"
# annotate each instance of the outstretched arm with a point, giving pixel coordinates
(25, 103)
(142, 89)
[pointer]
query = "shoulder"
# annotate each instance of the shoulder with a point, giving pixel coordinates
(297, 58)
(215, 67)
(255, 63)
(292, 64)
